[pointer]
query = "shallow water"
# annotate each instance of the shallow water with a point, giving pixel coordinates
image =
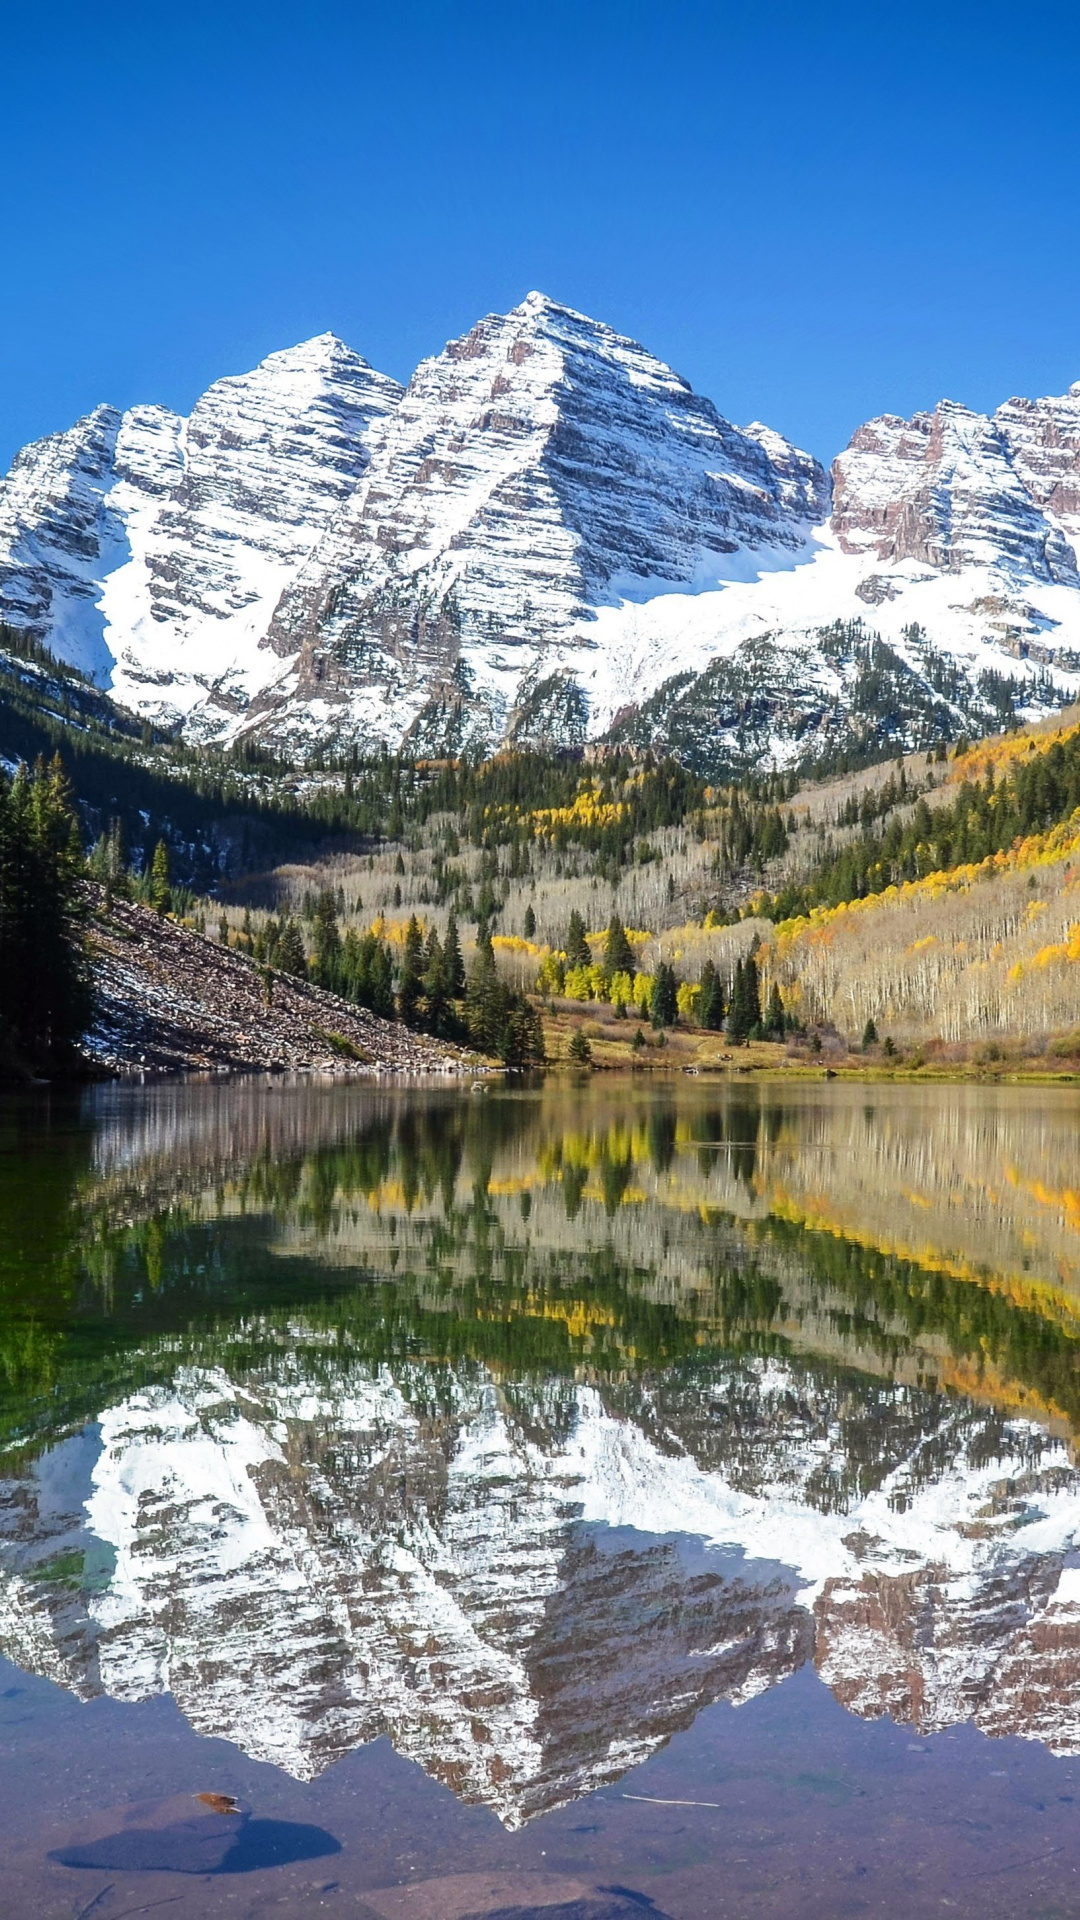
(579, 1501)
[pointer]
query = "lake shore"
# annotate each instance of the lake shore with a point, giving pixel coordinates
(690, 1050)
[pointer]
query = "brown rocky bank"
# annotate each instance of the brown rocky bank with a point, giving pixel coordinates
(172, 1001)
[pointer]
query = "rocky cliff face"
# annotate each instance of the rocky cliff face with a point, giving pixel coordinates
(538, 468)
(544, 534)
(309, 1553)
(945, 490)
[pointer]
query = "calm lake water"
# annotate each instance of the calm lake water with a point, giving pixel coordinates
(571, 1502)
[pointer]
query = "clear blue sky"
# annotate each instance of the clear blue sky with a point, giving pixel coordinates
(815, 212)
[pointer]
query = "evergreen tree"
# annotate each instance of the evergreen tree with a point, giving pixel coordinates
(434, 985)
(752, 990)
(578, 951)
(291, 957)
(160, 888)
(453, 964)
(500, 1021)
(664, 1006)
(485, 1004)
(579, 1049)
(530, 923)
(738, 1016)
(371, 980)
(523, 1034)
(411, 984)
(326, 940)
(870, 1034)
(710, 1006)
(775, 1022)
(618, 953)
(45, 991)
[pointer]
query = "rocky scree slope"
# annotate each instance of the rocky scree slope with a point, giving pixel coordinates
(548, 534)
(172, 1001)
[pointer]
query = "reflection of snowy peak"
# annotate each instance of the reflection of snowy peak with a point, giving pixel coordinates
(433, 1556)
(548, 534)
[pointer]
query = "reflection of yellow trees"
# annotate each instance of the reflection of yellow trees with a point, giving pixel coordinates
(1033, 1296)
(1064, 1201)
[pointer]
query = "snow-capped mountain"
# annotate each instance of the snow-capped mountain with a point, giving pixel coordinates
(537, 469)
(316, 1551)
(546, 535)
(151, 551)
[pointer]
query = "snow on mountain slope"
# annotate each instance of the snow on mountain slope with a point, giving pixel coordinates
(151, 551)
(538, 468)
(266, 458)
(308, 1560)
(533, 541)
(953, 539)
(51, 509)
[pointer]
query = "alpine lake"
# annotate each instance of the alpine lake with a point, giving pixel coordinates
(580, 1500)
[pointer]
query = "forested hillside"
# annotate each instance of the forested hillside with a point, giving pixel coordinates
(508, 902)
(959, 920)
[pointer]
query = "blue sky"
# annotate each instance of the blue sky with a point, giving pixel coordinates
(815, 212)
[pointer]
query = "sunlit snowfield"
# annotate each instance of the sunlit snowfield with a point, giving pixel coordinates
(540, 1502)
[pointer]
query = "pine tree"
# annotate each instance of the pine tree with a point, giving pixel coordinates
(738, 1017)
(579, 1049)
(870, 1034)
(411, 984)
(752, 990)
(434, 985)
(45, 989)
(523, 1035)
(326, 940)
(710, 1006)
(775, 1018)
(160, 889)
(500, 1021)
(368, 974)
(485, 998)
(530, 923)
(578, 951)
(453, 965)
(291, 957)
(618, 953)
(664, 1006)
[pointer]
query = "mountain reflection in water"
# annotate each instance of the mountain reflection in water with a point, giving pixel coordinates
(520, 1429)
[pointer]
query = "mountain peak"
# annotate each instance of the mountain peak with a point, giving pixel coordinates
(321, 352)
(547, 526)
